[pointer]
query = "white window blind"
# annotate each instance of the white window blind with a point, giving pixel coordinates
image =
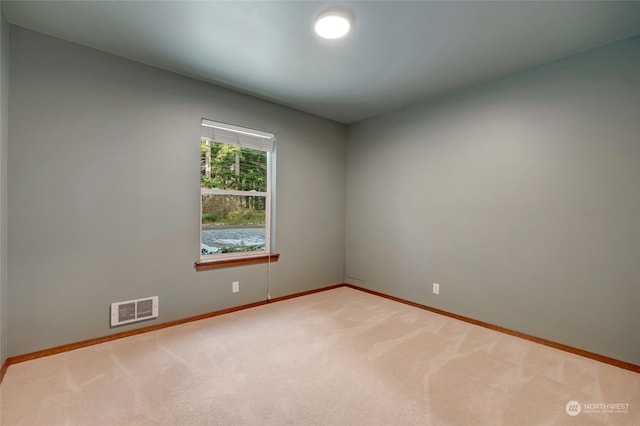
(236, 135)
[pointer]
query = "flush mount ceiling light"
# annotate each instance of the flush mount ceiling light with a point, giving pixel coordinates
(333, 24)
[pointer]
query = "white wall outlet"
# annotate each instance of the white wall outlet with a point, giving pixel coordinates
(436, 288)
(235, 286)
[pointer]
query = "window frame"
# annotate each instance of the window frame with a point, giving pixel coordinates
(267, 255)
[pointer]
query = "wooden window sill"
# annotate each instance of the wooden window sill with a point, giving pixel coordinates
(237, 261)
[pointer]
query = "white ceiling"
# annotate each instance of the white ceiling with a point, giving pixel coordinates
(397, 53)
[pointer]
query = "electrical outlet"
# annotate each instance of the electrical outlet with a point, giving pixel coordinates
(235, 286)
(436, 288)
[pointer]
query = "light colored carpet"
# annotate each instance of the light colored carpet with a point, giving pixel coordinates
(340, 357)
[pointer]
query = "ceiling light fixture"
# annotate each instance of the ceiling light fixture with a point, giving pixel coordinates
(333, 24)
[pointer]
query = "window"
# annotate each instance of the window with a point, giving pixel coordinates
(235, 195)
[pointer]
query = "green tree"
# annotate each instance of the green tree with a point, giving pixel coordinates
(225, 166)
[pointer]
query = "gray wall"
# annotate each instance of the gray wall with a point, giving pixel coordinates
(521, 197)
(104, 193)
(518, 196)
(4, 138)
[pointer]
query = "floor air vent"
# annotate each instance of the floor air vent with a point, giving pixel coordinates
(134, 310)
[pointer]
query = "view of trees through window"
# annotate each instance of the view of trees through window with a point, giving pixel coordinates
(232, 222)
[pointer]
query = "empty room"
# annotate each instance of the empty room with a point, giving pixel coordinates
(320, 213)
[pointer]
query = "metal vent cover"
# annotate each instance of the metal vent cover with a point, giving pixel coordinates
(134, 310)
